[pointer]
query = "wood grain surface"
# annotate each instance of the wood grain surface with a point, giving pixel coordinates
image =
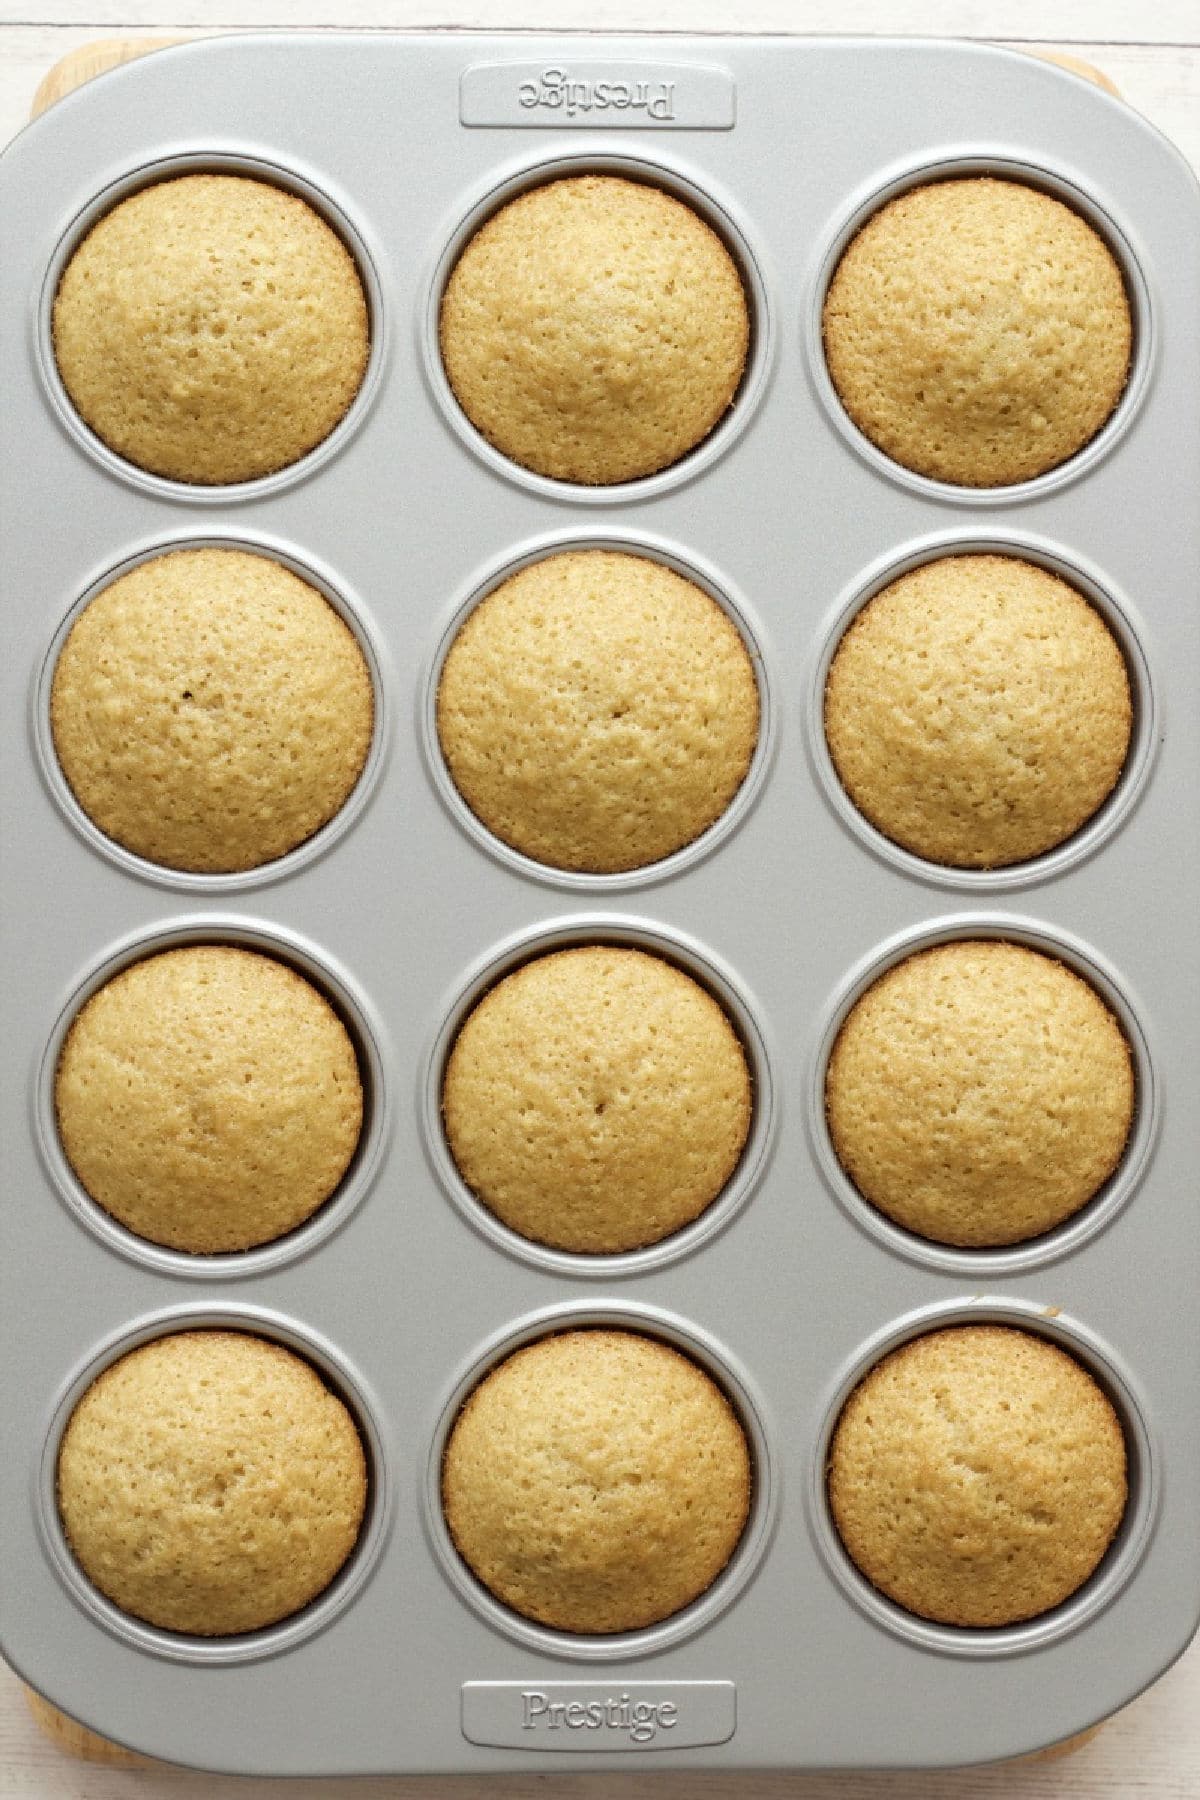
(1151, 53)
(1062, 21)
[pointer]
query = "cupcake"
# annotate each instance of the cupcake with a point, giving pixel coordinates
(980, 1093)
(211, 711)
(597, 711)
(978, 331)
(977, 1476)
(978, 711)
(594, 329)
(208, 1098)
(597, 1099)
(210, 1483)
(211, 328)
(596, 1481)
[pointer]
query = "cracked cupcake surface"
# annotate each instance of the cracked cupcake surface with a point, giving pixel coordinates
(977, 1476)
(210, 1483)
(978, 331)
(597, 1481)
(211, 328)
(595, 329)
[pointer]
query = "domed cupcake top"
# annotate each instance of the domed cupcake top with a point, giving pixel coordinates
(210, 1483)
(597, 711)
(978, 331)
(597, 1481)
(977, 1476)
(211, 328)
(595, 329)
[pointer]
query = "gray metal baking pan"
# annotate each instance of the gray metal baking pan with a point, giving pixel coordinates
(402, 1288)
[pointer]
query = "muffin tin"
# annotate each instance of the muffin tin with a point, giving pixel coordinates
(402, 1291)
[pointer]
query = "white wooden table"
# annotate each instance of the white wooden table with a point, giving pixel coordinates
(1152, 51)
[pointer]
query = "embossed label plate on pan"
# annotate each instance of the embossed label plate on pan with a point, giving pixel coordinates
(592, 1715)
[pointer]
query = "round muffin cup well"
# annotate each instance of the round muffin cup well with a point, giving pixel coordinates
(208, 1097)
(336, 987)
(675, 329)
(1127, 629)
(597, 711)
(977, 331)
(1016, 708)
(713, 1360)
(980, 1093)
(980, 1264)
(336, 1373)
(691, 959)
(347, 607)
(1133, 1535)
(211, 398)
(551, 1122)
(977, 1476)
(1001, 163)
(253, 167)
(679, 183)
(217, 751)
(169, 1476)
(672, 557)
(596, 1522)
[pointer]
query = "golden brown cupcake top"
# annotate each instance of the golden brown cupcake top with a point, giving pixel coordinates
(210, 1483)
(980, 1093)
(211, 328)
(597, 1481)
(977, 1476)
(978, 711)
(597, 1099)
(208, 1098)
(978, 331)
(594, 329)
(211, 711)
(597, 711)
